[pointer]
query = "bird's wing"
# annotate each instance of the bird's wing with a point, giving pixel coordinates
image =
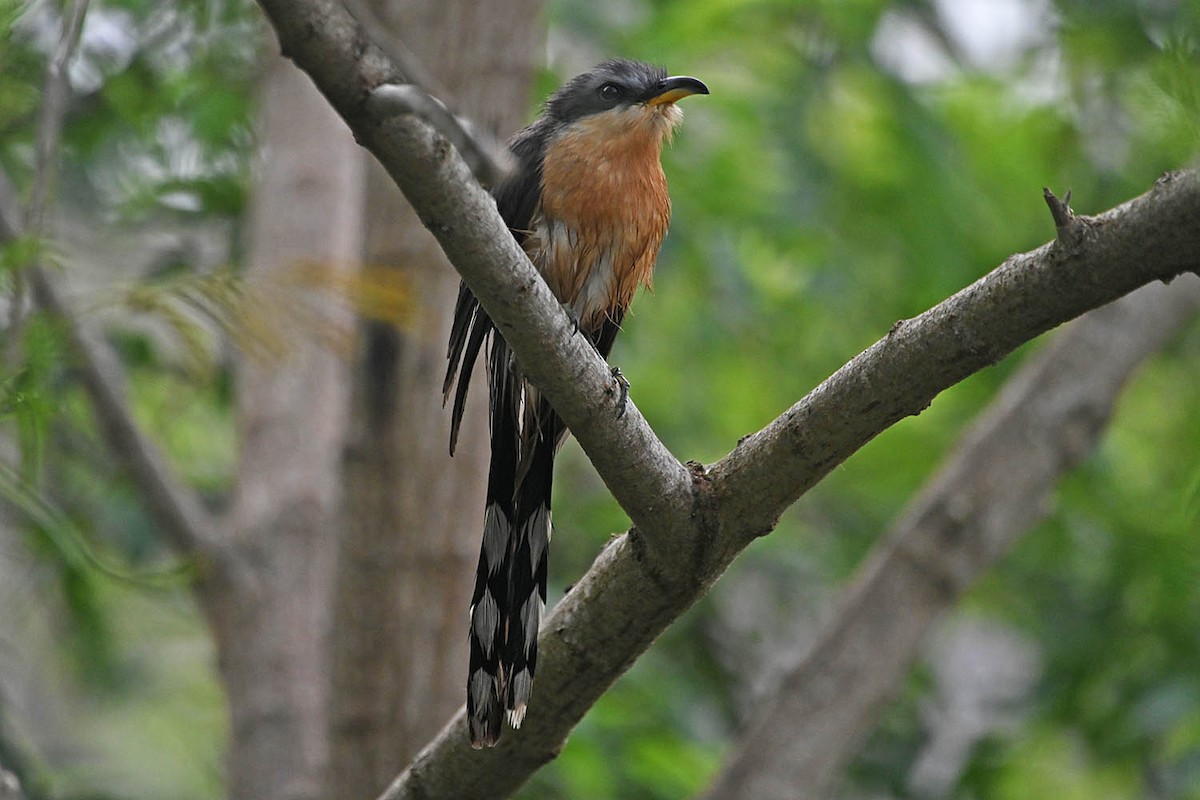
(517, 199)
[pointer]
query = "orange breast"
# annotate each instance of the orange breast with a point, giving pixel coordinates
(604, 211)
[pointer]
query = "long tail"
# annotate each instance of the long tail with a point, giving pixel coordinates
(490, 600)
(527, 576)
(510, 585)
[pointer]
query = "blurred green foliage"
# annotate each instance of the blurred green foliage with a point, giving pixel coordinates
(856, 163)
(158, 132)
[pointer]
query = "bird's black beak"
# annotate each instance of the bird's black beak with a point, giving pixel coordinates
(669, 90)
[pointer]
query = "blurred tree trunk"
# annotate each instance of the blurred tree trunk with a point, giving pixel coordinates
(413, 515)
(271, 616)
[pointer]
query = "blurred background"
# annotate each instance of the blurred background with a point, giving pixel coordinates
(279, 320)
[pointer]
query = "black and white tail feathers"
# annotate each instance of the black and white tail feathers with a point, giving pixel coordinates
(510, 582)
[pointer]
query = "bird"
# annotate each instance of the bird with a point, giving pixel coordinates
(588, 203)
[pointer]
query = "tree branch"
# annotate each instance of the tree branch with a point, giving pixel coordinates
(488, 162)
(176, 510)
(55, 92)
(1153, 237)
(690, 523)
(991, 490)
(423, 95)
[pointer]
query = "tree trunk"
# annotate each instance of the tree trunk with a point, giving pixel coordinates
(271, 616)
(413, 515)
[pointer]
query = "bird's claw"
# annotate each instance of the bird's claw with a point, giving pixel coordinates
(572, 315)
(623, 388)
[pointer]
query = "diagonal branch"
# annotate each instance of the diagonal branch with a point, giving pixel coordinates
(1094, 261)
(176, 510)
(55, 92)
(689, 522)
(992, 489)
(423, 95)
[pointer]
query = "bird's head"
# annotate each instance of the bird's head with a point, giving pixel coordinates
(624, 94)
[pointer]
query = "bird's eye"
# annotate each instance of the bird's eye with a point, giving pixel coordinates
(610, 92)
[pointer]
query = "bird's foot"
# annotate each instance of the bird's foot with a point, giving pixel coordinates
(623, 389)
(572, 315)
